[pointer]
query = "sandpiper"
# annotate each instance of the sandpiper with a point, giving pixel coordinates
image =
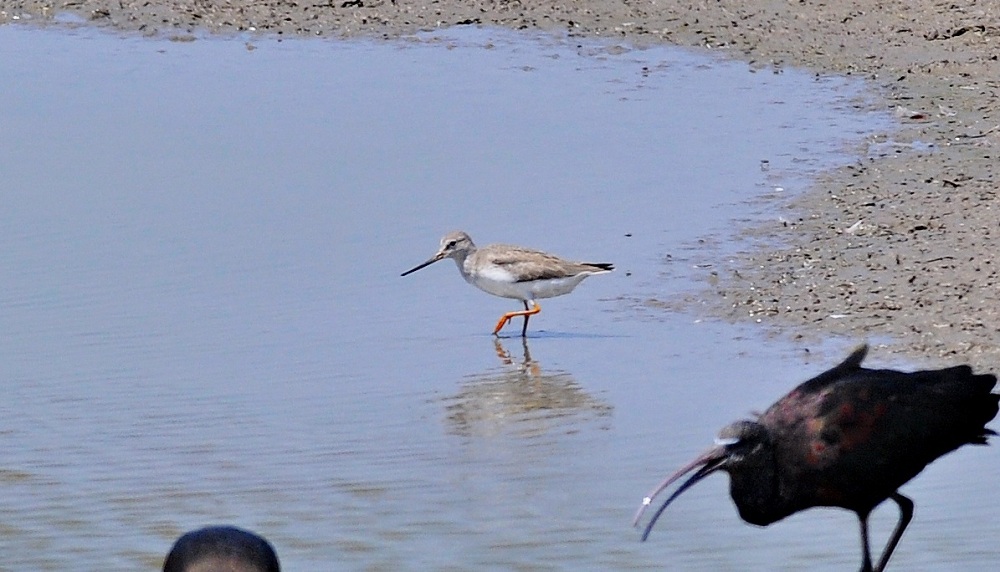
(513, 272)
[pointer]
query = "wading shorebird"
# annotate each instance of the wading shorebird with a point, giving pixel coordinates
(848, 438)
(513, 272)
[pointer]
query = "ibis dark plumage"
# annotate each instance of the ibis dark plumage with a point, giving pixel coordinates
(849, 438)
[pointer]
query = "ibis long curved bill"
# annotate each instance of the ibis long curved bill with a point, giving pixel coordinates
(709, 462)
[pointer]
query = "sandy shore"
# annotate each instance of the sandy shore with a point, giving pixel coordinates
(898, 246)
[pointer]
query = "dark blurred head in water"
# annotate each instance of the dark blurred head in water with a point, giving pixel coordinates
(221, 549)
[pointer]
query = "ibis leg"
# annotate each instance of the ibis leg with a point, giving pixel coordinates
(905, 515)
(866, 555)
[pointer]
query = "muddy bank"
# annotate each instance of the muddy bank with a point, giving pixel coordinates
(900, 244)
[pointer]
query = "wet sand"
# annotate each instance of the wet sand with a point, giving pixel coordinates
(897, 247)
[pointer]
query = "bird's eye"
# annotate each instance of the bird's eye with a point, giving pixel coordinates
(451, 244)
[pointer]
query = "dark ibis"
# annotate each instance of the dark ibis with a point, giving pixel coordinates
(849, 438)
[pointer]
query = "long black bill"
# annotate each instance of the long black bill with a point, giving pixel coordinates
(710, 461)
(433, 259)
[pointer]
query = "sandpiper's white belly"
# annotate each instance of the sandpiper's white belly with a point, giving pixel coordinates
(501, 282)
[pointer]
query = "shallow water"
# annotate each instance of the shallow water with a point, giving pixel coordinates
(203, 319)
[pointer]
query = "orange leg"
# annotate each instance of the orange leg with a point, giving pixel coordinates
(527, 313)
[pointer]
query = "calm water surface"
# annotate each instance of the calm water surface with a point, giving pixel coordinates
(203, 319)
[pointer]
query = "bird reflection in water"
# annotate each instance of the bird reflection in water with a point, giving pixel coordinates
(518, 398)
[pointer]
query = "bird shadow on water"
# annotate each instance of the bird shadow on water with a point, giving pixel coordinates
(518, 398)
